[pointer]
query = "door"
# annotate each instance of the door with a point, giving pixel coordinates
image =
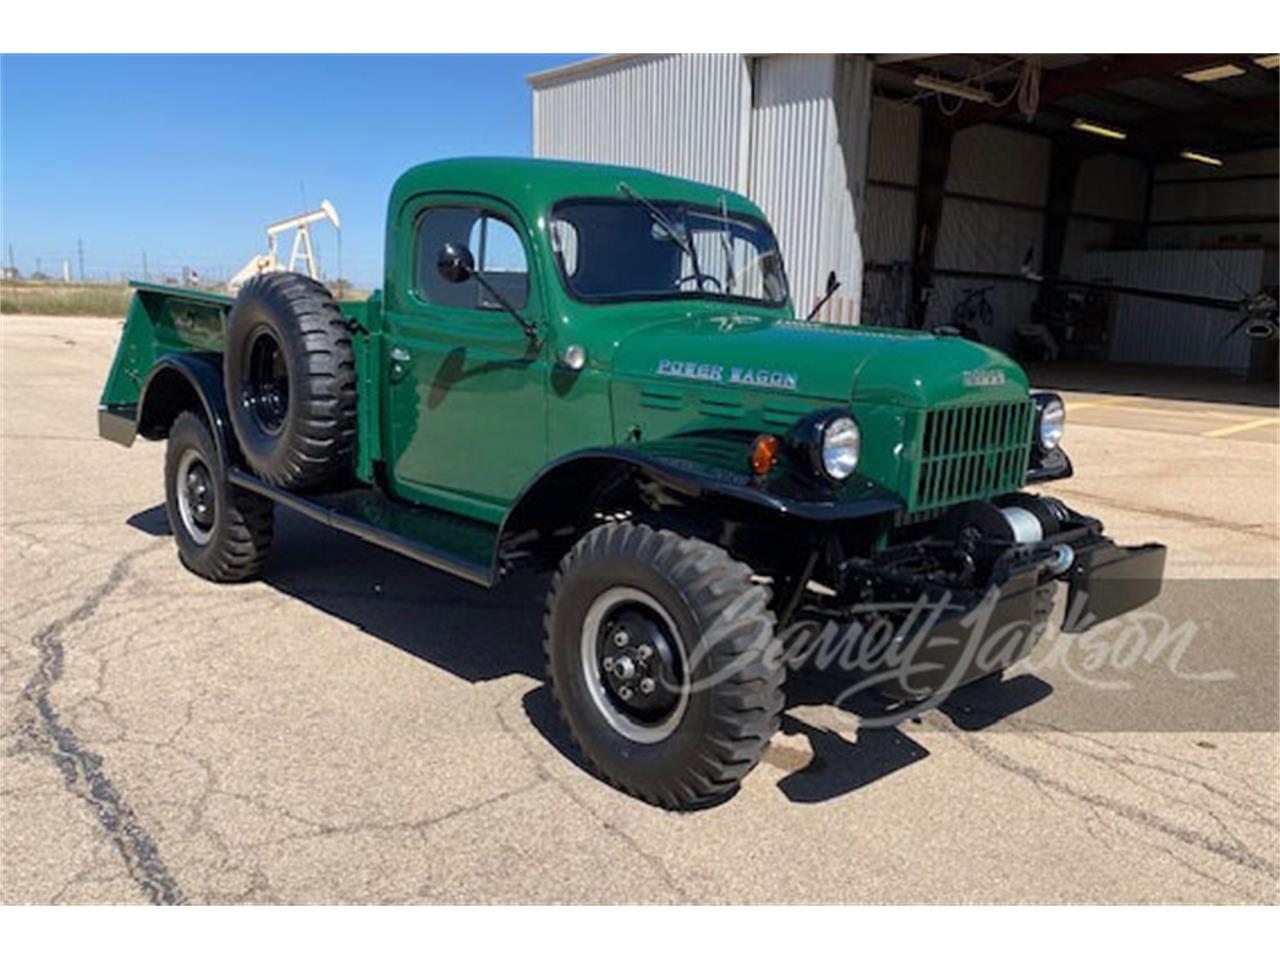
(466, 397)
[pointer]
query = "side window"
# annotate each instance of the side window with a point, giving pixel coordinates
(500, 258)
(437, 227)
(494, 244)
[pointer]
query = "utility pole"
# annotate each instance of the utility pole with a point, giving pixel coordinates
(13, 267)
(66, 270)
(80, 252)
(146, 275)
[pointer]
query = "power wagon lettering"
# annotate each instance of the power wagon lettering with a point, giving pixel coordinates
(778, 379)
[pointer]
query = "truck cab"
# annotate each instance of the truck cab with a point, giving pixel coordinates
(599, 372)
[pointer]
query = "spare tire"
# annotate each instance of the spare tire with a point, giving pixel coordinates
(291, 381)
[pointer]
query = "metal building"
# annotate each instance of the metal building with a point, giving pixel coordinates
(932, 183)
(788, 131)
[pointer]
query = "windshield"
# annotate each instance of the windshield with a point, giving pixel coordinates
(640, 250)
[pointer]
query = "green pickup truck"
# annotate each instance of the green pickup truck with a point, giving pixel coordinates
(598, 372)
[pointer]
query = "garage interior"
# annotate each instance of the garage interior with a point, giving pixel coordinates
(1125, 205)
(1106, 218)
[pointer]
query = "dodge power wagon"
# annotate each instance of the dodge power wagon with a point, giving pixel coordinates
(598, 372)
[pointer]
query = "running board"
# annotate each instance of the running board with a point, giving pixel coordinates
(407, 530)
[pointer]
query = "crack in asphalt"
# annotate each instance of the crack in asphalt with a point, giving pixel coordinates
(45, 732)
(1234, 852)
(1257, 530)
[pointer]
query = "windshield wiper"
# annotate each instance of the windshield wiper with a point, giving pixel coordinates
(679, 239)
(727, 245)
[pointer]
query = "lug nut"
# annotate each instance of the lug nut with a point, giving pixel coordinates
(647, 685)
(620, 638)
(626, 693)
(607, 664)
(645, 651)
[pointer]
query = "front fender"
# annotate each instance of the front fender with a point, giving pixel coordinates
(705, 466)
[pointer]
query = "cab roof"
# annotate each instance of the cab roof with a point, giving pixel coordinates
(534, 186)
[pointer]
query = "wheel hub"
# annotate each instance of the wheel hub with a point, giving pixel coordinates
(638, 664)
(266, 388)
(197, 504)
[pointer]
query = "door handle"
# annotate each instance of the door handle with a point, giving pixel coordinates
(401, 360)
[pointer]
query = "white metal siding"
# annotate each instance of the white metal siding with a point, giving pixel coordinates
(680, 114)
(1146, 330)
(789, 131)
(844, 190)
(792, 130)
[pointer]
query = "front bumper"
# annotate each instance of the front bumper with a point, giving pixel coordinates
(945, 636)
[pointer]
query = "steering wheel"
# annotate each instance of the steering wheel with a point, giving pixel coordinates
(700, 279)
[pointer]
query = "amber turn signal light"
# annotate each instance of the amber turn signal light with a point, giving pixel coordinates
(764, 450)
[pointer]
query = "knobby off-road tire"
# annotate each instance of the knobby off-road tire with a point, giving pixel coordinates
(223, 532)
(706, 626)
(291, 383)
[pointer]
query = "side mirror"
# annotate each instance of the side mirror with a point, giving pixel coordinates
(455, 263)
(832, 283)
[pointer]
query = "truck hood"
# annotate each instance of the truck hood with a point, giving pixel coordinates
(818, 361)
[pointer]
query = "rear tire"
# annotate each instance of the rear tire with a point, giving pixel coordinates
(291, 384)
(659, 659)
(223, 533)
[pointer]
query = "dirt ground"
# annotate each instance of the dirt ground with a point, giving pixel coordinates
(355, 728)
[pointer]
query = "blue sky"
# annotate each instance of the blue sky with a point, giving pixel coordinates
(188, 157)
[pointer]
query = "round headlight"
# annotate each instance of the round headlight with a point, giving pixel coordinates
(1053, 417)
(841, 442)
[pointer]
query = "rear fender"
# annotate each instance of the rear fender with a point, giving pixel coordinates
(186, 381)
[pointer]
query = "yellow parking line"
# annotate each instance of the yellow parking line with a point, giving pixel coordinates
(1242, 427)
(1106, 402)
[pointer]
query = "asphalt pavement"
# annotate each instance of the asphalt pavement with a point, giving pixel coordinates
(355, 728)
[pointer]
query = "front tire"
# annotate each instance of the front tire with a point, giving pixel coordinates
(660, 660)
(223, 533)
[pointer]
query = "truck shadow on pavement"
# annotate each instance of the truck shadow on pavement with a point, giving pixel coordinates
(479, 635)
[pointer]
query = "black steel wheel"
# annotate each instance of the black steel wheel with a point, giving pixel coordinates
(659, 658)
(223, 533)
(289, 367)
(266, 381)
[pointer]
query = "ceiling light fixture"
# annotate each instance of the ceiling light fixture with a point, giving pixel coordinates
(1200, 158)
(1209, 74)
(1097, 129)
(961, 90)
(1268, 62)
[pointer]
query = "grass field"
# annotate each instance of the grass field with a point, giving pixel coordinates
(64, 299)
(82, 299)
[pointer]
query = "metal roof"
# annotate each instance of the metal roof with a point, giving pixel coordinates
(1147, 96)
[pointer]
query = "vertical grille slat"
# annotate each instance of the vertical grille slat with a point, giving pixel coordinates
(971, 452)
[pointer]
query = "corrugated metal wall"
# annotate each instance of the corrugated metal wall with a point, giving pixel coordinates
(1192, 206)
(1109, 205)
(682, 114)
(997, 186)
(808, 143)
(1146, 330)
(792, 128)
(844, 190)
(789, 131)
(889, 218)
